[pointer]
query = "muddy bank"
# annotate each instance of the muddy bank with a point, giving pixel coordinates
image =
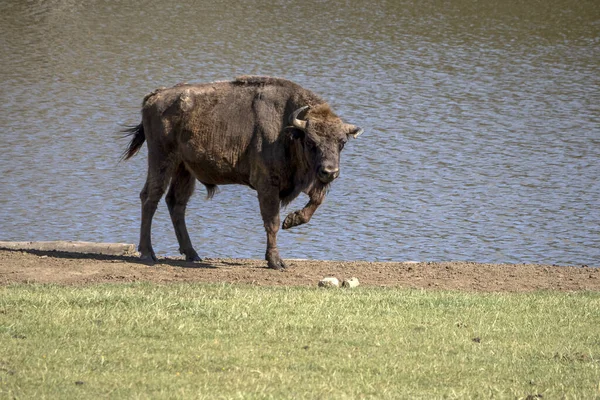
(38, 266)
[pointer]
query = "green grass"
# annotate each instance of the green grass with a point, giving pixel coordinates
(231, 341)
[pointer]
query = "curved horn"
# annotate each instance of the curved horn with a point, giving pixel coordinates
(357, 132)
(298, 123)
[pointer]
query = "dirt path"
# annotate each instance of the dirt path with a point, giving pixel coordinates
(77, 269)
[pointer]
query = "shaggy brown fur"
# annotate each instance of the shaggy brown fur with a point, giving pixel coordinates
(237, 132)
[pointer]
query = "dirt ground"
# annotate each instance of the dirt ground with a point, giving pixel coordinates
(80, 269)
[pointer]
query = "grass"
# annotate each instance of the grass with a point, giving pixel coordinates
(232, 341)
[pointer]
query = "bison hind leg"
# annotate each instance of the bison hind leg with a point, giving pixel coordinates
(182, 187)
(211, 190)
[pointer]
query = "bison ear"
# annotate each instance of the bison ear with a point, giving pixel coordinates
(354, 131)
(294, 133)
(297, 134)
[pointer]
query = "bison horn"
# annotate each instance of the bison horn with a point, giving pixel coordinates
(298, 123)
(356, 132)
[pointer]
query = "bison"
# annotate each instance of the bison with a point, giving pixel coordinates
(266, 133)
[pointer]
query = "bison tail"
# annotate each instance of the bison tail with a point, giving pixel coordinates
(138, 139)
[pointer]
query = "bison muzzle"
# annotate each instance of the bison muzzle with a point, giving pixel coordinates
(266, 133)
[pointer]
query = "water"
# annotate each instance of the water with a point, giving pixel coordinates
(482, 123)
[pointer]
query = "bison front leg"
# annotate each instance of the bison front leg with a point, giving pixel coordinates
(304, 215)
(269, 209)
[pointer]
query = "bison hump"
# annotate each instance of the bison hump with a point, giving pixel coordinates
(257, 80)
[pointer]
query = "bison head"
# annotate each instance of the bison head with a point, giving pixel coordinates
(323, 135)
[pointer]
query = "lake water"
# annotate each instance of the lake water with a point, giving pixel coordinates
(482, 123)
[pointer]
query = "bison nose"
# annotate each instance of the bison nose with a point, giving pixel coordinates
(327, 175)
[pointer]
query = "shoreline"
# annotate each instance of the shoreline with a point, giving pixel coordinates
(79, 267)
(129, 249)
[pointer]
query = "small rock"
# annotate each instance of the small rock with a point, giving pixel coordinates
(350, 283)
(329, 282)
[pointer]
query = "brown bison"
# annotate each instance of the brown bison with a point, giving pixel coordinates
(266, 133)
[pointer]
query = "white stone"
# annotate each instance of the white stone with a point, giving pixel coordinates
(350, 283)
(330, 281)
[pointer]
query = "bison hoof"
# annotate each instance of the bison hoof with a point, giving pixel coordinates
(148, 258)
(191, 255)
(293, 219)
(276, 264)
(193, 258)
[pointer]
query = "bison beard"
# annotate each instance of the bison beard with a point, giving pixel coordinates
(266, 133)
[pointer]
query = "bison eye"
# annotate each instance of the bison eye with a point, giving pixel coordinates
(342, 144)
